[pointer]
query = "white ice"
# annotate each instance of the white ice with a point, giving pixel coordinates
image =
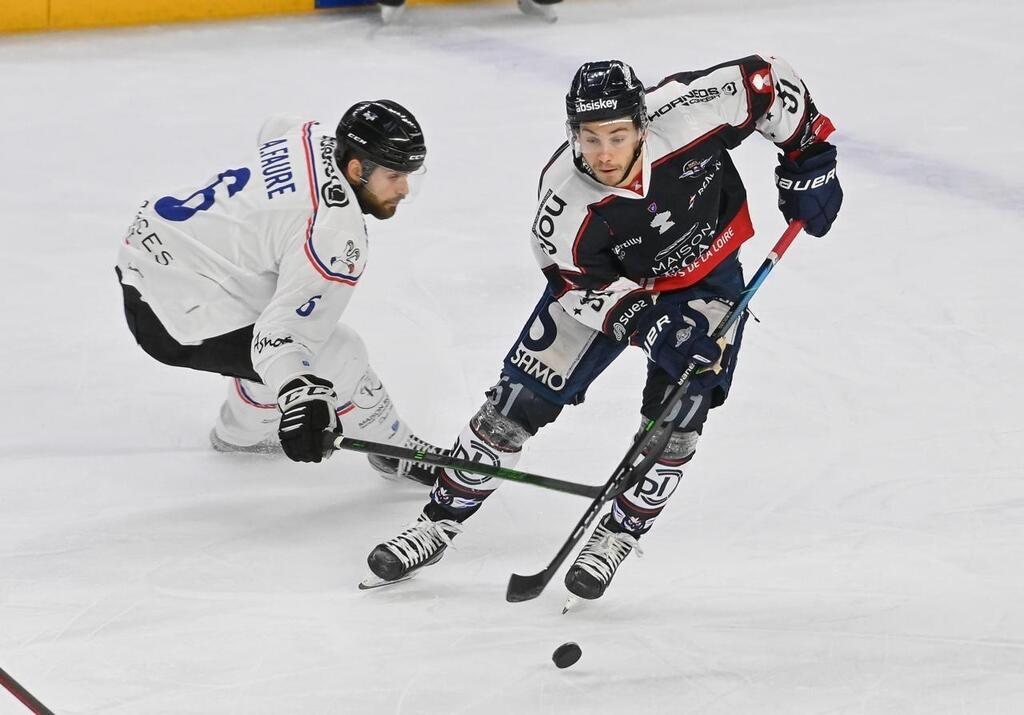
(849, 539)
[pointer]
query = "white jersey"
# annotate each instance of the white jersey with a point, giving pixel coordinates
(277, 241)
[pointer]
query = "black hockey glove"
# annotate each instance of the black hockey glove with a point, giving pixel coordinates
(307, 406)
(673, 335)
(809, 189)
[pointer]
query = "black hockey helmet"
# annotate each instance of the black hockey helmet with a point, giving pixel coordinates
(605, 90)
(383, 132)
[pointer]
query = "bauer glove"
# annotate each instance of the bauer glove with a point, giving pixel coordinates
(673, 335)
(809, 189)
(307, 405)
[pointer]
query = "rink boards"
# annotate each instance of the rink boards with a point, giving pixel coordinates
(35, 15)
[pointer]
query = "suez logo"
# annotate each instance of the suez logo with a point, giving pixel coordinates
(544, 223)
(806, 184)
(595, 104)
(621, 326)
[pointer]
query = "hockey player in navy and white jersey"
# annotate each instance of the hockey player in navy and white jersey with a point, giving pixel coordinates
(248, 274)
(639, 219)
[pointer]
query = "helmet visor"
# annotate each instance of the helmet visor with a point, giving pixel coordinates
(607, 146)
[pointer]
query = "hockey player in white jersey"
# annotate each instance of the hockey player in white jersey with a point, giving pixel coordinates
(392, 10)
(247, 275)
(639, 220)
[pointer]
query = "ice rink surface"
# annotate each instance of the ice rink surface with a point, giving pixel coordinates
(849, 538)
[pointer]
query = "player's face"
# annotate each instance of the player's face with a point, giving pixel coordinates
(387, 188)
(609, 148)
(382, 189)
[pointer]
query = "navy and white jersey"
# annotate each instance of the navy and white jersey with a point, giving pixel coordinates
(607, 252)
(276, 241)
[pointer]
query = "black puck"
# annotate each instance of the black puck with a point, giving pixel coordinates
(566, 654)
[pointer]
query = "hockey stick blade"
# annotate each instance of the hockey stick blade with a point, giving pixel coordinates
(654, 435)
(526, 588)
(333, 442)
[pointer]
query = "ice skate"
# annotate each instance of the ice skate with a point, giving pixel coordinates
(394, 469)
(536, 9)
(269, 446)
(391, 13)
(421, 544)
(596, 564)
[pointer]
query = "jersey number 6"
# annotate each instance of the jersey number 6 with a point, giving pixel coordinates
(173, 209)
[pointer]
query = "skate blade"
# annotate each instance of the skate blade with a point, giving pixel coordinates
(391, 15)
(371, 582)
(570, 603)
(543, 12)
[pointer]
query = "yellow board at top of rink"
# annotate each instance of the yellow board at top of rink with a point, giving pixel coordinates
(34, 15)
(69, 14)
(18, 15)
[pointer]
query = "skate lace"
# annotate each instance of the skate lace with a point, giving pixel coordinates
(605, 551)
(421, 540)
(414, 442)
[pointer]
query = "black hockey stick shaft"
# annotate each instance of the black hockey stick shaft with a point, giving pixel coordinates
(23, 695)
(653, 437)
(462, 465)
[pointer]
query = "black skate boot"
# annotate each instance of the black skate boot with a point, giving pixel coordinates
(420, 544)
(596, 564)
(403, 469)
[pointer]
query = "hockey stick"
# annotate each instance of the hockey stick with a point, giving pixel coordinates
(332, 441)
(23, 695)
(653, 437)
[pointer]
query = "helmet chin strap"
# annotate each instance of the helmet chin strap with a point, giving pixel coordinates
(359, 186)
(636, 155)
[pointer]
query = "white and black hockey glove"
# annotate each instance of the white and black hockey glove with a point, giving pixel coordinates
(307, 405)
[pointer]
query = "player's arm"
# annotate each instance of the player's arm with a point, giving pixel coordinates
(573, 248)
(316, 280)
(781, 109)
(728, 102)
(806, 177)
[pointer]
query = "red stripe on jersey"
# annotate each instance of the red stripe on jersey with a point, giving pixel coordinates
(322, 271)
(248, 400)
(318, 265)
(698, 140)
(726, 242)
(822, 128)
(310, 168)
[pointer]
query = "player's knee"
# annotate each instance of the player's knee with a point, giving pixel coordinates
(681, 446)
(512, 414)
(343, 360)
(521, 404)
(498, 430)
(343, 345)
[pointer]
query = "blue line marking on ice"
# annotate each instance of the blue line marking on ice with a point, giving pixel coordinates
(945, 177)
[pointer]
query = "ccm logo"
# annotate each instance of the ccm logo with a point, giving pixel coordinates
(806, 184)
